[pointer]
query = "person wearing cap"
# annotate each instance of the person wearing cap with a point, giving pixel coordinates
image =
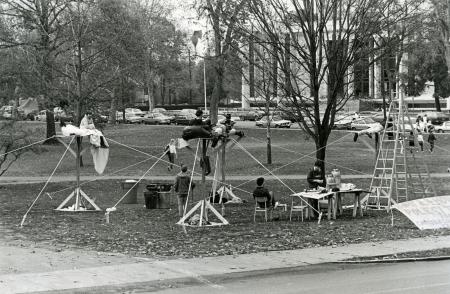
(181, 187)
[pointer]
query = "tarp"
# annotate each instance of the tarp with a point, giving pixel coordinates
(427, 213)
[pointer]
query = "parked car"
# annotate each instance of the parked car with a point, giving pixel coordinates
(275, 121)
(6, 111)
(130, 117)
(42, 115)
(156, 118)
(135, 111)
(363, 123)
(252, 115)
(184, 119)
(221, 120)
(443, 128)
(343, 122)
(159, 110)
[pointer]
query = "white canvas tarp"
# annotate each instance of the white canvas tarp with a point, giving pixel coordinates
(427, 213)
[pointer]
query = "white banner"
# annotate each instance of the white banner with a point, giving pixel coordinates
(427, 213)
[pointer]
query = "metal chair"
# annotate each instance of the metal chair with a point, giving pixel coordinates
(261, 206)
(295, 207)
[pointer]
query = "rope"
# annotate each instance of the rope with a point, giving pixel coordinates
(190, 181)
(281, 181)
(148, 154)
(29, 145)
(48, 180)
(328, 162)
(296, 160)
(140, 179)
(101, 176)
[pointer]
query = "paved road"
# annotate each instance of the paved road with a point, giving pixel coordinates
(417, 277)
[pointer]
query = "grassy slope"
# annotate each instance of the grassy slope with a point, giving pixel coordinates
(136, 230)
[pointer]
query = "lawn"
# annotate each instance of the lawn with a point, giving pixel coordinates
(153, 232)
(139, 231)
(289, 150)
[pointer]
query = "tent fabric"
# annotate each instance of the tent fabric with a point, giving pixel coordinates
(99, 151)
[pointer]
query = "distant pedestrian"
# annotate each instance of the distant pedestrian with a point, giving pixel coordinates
(400, 140)
(420, 140)
(411, 141)
(171, 151)
(431, 139)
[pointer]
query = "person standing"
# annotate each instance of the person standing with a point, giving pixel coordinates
(182, 186)
(171, 151)
(411, 141)
(431, 139)
(420, 140)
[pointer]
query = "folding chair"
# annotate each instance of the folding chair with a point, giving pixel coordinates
(295, 207)
(261, 206)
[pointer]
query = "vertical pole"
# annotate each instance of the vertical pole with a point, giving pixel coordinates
(78, 160)
(204, 81)
(222, 163)
(204, 199)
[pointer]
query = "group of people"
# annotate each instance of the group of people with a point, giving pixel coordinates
(420, 140)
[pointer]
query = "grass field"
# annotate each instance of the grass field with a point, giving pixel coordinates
(289, 146)
(153, 232)
(139, 231)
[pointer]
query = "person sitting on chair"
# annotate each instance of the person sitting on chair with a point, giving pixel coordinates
(315, 180)
(261, 191)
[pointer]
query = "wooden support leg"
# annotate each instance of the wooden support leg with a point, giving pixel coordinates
(355, 204)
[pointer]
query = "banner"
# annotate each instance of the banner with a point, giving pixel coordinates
(427, 213)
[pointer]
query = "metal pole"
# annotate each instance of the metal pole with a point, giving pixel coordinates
(204, 79)
(78, 160)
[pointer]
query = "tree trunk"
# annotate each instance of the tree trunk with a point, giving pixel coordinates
(321, 143)
(269, 140)
(217, 94)
(113, 108)
(437, 102)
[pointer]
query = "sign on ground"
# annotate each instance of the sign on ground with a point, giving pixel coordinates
(427, 213)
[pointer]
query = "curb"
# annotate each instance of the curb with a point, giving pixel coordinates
(393, 260)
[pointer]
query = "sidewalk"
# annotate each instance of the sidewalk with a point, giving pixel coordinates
(89, 271)
(4, 180)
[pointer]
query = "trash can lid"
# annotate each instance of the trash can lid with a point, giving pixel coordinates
(130, 181)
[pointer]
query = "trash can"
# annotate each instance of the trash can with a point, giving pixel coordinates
(164, 199)
(131, 197)
(151, 196)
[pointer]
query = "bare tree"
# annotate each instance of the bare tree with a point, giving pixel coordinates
(327, 38)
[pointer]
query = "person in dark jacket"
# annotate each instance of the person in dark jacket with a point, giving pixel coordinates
(261, 191)
(431, 139)
(181, 187)
(198, 120)
(315, 178)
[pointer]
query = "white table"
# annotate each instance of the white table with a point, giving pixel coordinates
(319, 196)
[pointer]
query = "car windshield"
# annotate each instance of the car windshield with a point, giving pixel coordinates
(276, 118)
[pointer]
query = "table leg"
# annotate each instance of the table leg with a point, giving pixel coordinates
(330, 207)
(336, 204)
(355, 204)
(359, 204)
